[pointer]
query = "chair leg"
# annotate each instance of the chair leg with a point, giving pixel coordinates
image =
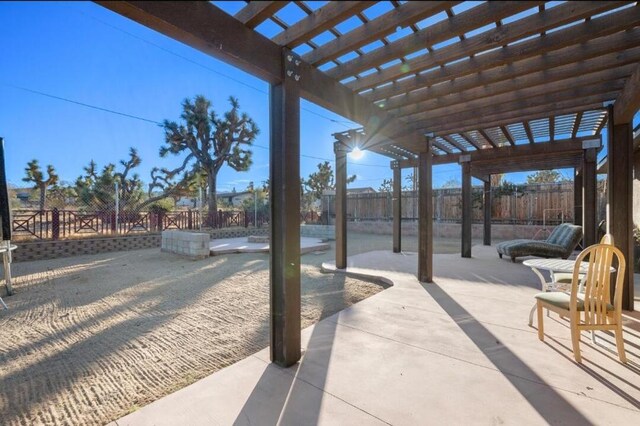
(575, 337)
(620, 344)
(540, 321)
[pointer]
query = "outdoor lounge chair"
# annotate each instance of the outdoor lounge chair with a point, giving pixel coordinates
(561, 243)
(589, 305)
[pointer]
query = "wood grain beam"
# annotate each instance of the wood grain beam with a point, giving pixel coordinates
(382, 26)
(576, 124)
(560, 108)
(433, 34)
(470, 140)
(453, 142)
(527, 130)
(507, 134)
(552, 128)
(613, 66)
(497, 37)
(256, 12)
(320, 20)
(482, 114)
(628, 102)
(595, 28)
(488, 138)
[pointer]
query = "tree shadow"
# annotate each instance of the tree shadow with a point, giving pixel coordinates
(551, 405)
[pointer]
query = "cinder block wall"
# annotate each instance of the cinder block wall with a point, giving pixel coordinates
(38, 250)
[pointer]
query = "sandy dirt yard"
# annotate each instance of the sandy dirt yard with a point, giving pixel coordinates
(90, 338)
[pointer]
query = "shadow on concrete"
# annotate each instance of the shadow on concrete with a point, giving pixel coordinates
(550, 404)
(285, 395)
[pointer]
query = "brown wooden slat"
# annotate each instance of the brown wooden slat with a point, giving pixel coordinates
(546, 99)
(576, 124)
(629, 100)
(552, 128)
(601, 125)
(406, 14)
(507, 135)
(320, 20)
(560, 108)
(527, 130)
(592, 29)
(595, 54)
(469, 139)
(453, 142)
(256, 12)
(560, 78)
(441, 31)
(488, 138)
(500, 36)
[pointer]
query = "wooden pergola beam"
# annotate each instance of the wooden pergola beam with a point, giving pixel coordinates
(433, 34)
(576, 124)
(511, 153)
(470, 139)
(536, 113)
(207, 28)
(402, 16)
(499, 36)
(628, 102)
(527, 130)
(602, 26)
(256, 12)
(320, 20)
(453, 142)
(507, 135)
(548, 102)
(539, 83)
(552, 128)
(488, 138)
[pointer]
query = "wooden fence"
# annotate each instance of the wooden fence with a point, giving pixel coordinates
(525, 204)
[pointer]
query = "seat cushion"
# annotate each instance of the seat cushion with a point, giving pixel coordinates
(519, 248)
(562, 300)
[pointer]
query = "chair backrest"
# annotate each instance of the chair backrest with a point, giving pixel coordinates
(566, 235)
(597, 282)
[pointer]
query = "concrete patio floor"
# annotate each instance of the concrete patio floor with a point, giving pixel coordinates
(220, 246)
(457, 351)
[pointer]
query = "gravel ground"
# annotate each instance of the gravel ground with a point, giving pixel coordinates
(90, 338)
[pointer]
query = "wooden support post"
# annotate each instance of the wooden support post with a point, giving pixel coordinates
(284, 157)
(425, 215)
(487, 212)
(466, 209)
(620, 183)
(397, 207)
(589, 164)
(577, 196)
(341, 205)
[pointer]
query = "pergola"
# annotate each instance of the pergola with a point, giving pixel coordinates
(498, 87)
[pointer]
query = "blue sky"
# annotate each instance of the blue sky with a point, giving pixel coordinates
(85, 53)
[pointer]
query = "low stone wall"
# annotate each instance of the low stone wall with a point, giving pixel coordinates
(238, 232)
(39, 250)
(194, 245)
(325, 232)
(452, 230)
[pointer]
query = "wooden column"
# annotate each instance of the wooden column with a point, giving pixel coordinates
(284, 158)
(397, 207)
(341, 205)
(488, 196)
(466, 209)
(425, 215)
(577, 196)
(620, 184)
(589, 177)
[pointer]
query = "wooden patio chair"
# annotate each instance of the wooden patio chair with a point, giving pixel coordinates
(589, 305)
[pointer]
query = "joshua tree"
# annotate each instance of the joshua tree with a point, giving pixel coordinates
(35, 175)
(211, 142)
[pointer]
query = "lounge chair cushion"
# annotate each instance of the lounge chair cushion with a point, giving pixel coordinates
(562, 300)
(561, 243)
